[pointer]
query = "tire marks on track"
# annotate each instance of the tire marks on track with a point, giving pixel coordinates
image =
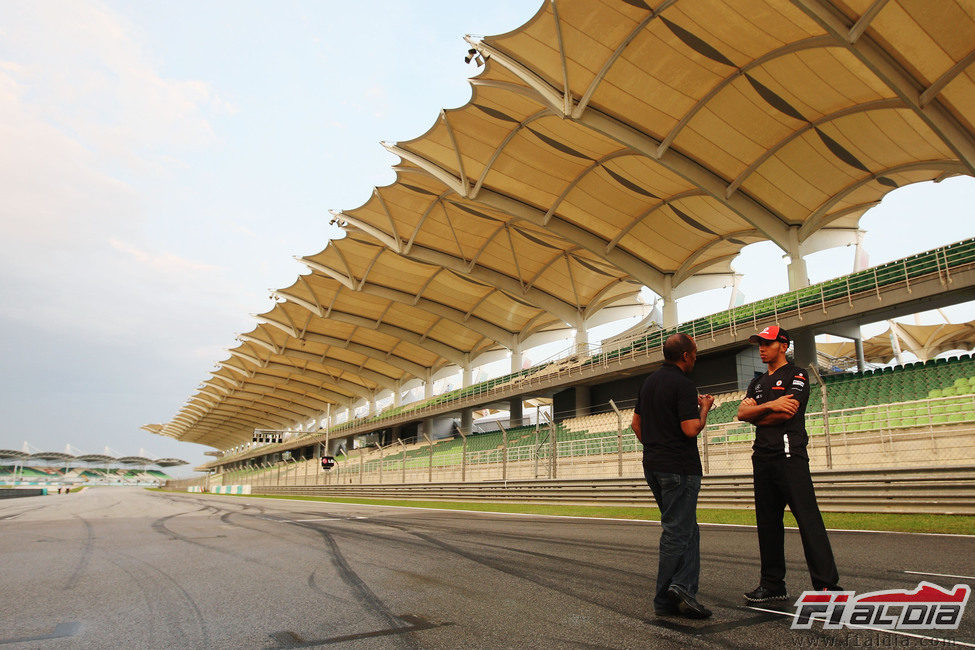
(181, 595)
(159, 526)
(86, 548)
(361, 593)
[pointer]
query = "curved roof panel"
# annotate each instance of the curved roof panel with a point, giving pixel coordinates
(440, 296)
(169, 462)
(786, 115)
(96, 458)
(51, 455)
(419, 218)
(136, 460)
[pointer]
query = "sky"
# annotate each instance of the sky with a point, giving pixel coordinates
(162, 163)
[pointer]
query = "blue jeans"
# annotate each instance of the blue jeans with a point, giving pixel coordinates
(680, 540)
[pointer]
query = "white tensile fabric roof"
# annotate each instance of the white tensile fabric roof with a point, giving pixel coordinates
(924, 341)
(608, 145)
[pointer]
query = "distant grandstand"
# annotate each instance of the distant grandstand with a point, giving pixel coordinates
(25, 467)
(591, 164)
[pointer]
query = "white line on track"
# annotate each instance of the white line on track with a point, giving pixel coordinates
(941, 575)
(636, 521)
(950, 642)
(320, 519)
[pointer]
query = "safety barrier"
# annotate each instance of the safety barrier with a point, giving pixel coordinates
(942, 490)
(221, 489)
(15, 493)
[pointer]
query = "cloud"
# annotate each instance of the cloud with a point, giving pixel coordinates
(85, 118)
(90, 75)
(89, 123)
(166, 263)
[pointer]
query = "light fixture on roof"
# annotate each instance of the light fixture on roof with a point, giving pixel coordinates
(472, 54)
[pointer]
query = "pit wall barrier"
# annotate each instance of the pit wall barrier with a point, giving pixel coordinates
(927, 490)
(20, 492)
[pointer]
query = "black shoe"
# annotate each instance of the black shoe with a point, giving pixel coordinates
(670, 610)
(766, 595)
(687, 605)
(833, 588)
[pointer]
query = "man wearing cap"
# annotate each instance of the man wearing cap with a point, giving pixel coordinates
(776, 404)
(668, 417)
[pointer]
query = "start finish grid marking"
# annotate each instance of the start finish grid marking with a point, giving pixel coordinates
(940, 575)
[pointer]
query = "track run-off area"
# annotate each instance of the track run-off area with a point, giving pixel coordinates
(131, 568)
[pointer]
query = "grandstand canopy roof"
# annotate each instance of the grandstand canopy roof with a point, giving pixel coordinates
(135, 460)
(12, 453)
(924, 341)
(169, 462)
(51, 455)
(96, 458)
(607, 145)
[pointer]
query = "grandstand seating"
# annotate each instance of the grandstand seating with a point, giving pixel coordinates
(939, 261)
(872, 400)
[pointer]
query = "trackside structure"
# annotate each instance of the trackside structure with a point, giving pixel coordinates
(608, 147)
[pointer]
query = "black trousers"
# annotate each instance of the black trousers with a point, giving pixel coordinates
(781, 481)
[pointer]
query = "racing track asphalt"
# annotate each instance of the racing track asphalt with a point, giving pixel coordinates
(130, 568)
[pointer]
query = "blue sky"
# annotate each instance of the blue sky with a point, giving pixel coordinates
(163, 162)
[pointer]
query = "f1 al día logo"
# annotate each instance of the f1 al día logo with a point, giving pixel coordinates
(929, 607)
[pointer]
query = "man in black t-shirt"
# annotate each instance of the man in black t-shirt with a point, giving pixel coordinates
(668, 417)
(776, 404)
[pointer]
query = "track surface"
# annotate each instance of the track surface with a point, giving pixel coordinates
(128, 568)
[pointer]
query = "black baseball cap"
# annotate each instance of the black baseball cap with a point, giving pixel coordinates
(770, 333)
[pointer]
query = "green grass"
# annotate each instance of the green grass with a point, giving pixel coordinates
(955, 524)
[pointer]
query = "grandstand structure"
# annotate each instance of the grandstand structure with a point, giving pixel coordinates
(607, 147)
(923, 341)
(26, 467)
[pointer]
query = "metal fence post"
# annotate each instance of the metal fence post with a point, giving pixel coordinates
(403, 464)
(813, 370)
(619, 439)
(429, 460)
(504, 452)
(555, 450)
(704, 444)
(380, 448)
